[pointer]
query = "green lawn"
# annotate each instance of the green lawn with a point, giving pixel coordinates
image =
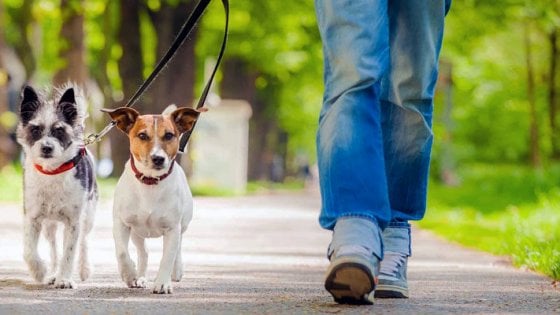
(505, 210)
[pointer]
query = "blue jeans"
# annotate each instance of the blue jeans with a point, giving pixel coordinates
(375, 138)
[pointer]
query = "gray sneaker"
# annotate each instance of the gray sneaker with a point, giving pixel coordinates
(392, 276)
(352, 275)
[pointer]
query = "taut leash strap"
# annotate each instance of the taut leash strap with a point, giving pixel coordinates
(187, 27)
(186, 136)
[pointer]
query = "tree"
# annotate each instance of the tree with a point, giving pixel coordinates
(176, 83)
(274, 63)
(22, 18)
(72, 51)
(130, 70)
(533, 120)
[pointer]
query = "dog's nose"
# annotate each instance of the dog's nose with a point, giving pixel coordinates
(158, 160)
(46, 149)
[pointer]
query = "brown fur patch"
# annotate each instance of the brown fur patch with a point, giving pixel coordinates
(146, 124)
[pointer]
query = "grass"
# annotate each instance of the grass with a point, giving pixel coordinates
(11, 185)
(505, 210)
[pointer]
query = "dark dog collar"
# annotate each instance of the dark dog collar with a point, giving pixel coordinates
(65, 166)
(149, 180)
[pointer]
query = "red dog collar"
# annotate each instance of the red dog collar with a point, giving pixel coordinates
(65, 166)
(148, 180)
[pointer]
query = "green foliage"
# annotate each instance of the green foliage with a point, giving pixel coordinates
(503, 209)
(11, 183)
(484, 43)
(280, 40)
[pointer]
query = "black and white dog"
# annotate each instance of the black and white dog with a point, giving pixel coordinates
(59, 181)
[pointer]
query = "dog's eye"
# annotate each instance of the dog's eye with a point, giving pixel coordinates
(143, 136)
(58, 132)
(168, 136)
(36, 132)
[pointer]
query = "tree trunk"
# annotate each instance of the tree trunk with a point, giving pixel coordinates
(552, 95)
(23, 18)
(3, 72)
(6, 145)
(175, 85)
(448, 174)
(130, 70)
(99, 69)
(73, 51)
(533, 121)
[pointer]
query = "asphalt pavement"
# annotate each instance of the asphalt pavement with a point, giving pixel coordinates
(265, 254)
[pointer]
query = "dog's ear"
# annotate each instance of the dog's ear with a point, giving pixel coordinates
(29, 104)
(124, 116)
(184, 117)
(66, 107)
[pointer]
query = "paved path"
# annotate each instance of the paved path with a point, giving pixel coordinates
(266, 255)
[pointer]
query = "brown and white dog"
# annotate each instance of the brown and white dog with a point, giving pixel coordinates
(152, 197)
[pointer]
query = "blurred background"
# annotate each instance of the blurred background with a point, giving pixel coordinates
(495, 169)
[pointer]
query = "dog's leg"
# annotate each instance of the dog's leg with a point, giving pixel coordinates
(170, 247)
(178, 265)
(127, 270)
(63, 279)
(140, 244)
(32, 230)
(87, 225)
(50, 234)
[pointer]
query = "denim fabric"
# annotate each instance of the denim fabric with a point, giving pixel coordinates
(374, 138)
(396, 238)
(354, 231)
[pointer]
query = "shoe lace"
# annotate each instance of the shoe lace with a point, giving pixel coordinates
(391, 263)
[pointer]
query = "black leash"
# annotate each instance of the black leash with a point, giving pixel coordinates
(187, 27)
(187, 135)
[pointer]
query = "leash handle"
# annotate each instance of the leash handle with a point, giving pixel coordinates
(186, 136)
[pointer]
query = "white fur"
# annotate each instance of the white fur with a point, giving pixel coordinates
(144, 211)
(50, 199)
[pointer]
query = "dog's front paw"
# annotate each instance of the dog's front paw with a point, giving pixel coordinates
(85, 272)
(163, 288)
(138, 283)
(37, 269)
(177, 274)
(51, 280)
(64, 284)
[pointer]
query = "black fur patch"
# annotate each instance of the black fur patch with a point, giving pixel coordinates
(33, 133)
(60, 134)
(67, 107)
(84, 173)
(29, 105)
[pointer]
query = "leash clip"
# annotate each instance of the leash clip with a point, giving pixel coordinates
(96, 137)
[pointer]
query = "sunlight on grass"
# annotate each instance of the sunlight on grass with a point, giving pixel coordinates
(11, 183)
(504, 210)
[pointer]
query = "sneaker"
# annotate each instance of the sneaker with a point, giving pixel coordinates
(352, 275)
(392, 277)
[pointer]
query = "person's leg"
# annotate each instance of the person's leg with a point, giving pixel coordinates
(355, 201)
(416, 31)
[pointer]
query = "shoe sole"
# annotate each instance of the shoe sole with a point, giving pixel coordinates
(350, 282)
(387, 291)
